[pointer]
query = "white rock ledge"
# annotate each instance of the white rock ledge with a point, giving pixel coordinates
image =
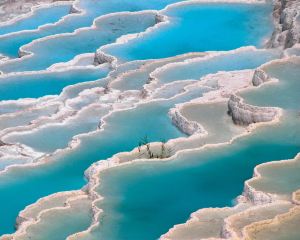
(257, 197)
(245, 114)
(259, 77)
(101, 57)
(286, 15)
(184, 125)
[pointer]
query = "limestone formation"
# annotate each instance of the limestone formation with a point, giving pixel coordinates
(259, 77)
(245, 114)
(287, 23)
(186, 126)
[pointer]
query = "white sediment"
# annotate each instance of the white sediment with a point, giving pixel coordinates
(245, 114)
(258, 196)
(205, 223)
(120, 101)
(70, 105)
(282, 226)
(223, 77)
(130, 156)
(188, 127)
(262, 201)
(287, 24)
(162, 19)
(25, 50)
(10, 12)
(94, 172)
(33, 214)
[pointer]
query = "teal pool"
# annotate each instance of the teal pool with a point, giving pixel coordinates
(64, 48)
(45, 83)
(41, 16)
(90, 10)
(67, 172)
(142, 200)
(243, 59)
(197, 27)
(143, 195)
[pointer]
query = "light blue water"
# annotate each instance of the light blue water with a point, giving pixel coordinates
(10, 161)
(40, 17)
(65, 48)
(236, 61)
(25, 117)
(75, 219)
(67, 172)
(53, 137)
(143, 201)
(41, 84)
(10, 45)
(280, 94)
(201, 27)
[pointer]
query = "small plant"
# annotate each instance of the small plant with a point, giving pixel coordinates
(106, 89)
(165, 152)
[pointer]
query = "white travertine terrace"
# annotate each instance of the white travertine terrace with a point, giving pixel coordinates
(188, 127)
(259, 77)
(12, 10)
(271, 215)
(245, 114)
(93, 174)
(287, 23)
(102, 57)
(218, 222)
(283, 226)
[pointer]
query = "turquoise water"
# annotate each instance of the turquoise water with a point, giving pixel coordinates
(151, 198)
(67, 172)
(143, 201)
(65, 48)
(24, 118)
(10, 44)
(235, 61)
(197, 68)
(75, 219)
(41, 84)
(201, 27)
(57, 136)
(279, 94)
(40, 17)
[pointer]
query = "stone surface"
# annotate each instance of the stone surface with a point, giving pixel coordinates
(287, 23)
(10, 9)
(245, 114)
(186, 126)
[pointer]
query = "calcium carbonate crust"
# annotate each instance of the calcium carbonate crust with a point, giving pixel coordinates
(244, 114)
(287, 24)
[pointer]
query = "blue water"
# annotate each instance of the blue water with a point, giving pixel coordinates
(236, 61)
(143, 201)
(142, 196)
(65, 48)
(40, 17)
(67, 172)
(10, 45)
(41, 84)
(280, 94)
(75, 219)
(201, 27)
(146, 200)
